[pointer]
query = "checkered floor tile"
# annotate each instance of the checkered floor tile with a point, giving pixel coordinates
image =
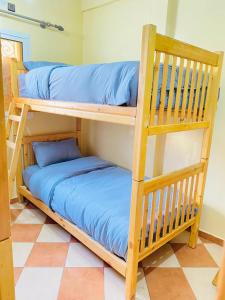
(51, 265)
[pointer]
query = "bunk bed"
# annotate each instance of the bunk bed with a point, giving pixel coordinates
(159, 208)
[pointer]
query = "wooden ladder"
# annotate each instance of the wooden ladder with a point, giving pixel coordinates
(15, 125)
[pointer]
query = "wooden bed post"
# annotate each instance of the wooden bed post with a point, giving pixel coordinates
(139, 156)
(6, 265)
(206, 146)
(160, 144)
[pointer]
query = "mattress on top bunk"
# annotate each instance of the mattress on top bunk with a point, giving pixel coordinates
(92, 193)
(113, 83)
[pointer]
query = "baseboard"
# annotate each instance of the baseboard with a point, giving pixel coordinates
(211, 238)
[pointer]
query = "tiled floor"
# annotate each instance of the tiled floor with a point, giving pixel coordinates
(51, 265)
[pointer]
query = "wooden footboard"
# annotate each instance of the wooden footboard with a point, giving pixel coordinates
(174, 206)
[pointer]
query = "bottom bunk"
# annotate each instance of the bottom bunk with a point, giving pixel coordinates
(91, 199)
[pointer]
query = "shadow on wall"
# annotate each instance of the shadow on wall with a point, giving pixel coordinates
(208, 223)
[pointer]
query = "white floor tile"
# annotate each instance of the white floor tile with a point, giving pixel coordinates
(80, 256)
(21, 252)
(31, 216)
(53, 233)
(183, 238)
(200, 280)
(39, 283)
(142, 289)
(114, 285)
(215, 251)
(17, 205)
(164, 257)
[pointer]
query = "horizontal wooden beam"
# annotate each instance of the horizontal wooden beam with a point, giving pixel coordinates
(171, 46)
(98, 113)
(50, 137)
(99, 108)
(163, 129)
(167, 179)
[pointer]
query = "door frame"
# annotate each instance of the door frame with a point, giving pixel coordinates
(18, 37)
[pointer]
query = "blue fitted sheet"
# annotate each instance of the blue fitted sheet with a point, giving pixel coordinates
(91, 193)
(112, 83)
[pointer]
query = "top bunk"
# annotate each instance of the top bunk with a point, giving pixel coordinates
(174, 86)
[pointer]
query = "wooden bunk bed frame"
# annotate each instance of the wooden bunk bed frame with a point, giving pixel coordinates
(147, 120)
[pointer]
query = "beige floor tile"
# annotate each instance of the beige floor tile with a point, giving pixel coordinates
(81, 256)
(53, 233)
(39, 284)
(200, 279)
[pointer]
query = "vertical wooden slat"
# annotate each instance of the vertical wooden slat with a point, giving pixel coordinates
(205, 112)
(144, 222)
(173, 207)
(179, 203)
(197, 93)
(195, 196)
(166, 213)
(31, 155)
(202, 101)
(163, 89)
(186, 87)
(190, 198)
(152, 220)
(178, 95)
(171, 92)
(25, 153)
(160, 211)
(185, 200)
(155, 89)
(193, 82)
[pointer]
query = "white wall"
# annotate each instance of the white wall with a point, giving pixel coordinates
(207, 29)
(112, 32)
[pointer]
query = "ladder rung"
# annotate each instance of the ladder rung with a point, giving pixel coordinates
(15, 118)
(11, 144)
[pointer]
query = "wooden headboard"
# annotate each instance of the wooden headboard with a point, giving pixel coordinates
(27, 150)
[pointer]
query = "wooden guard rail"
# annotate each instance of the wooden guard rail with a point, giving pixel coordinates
(184, 99)
(169, 205)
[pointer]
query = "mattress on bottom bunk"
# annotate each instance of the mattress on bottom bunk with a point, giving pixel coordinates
(112, 83)
(91, 193)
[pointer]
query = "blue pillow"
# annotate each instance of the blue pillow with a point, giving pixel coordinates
(30, 65)
(48, 153)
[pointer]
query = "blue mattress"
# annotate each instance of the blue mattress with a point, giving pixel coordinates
(92, 193)
(112, 84)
